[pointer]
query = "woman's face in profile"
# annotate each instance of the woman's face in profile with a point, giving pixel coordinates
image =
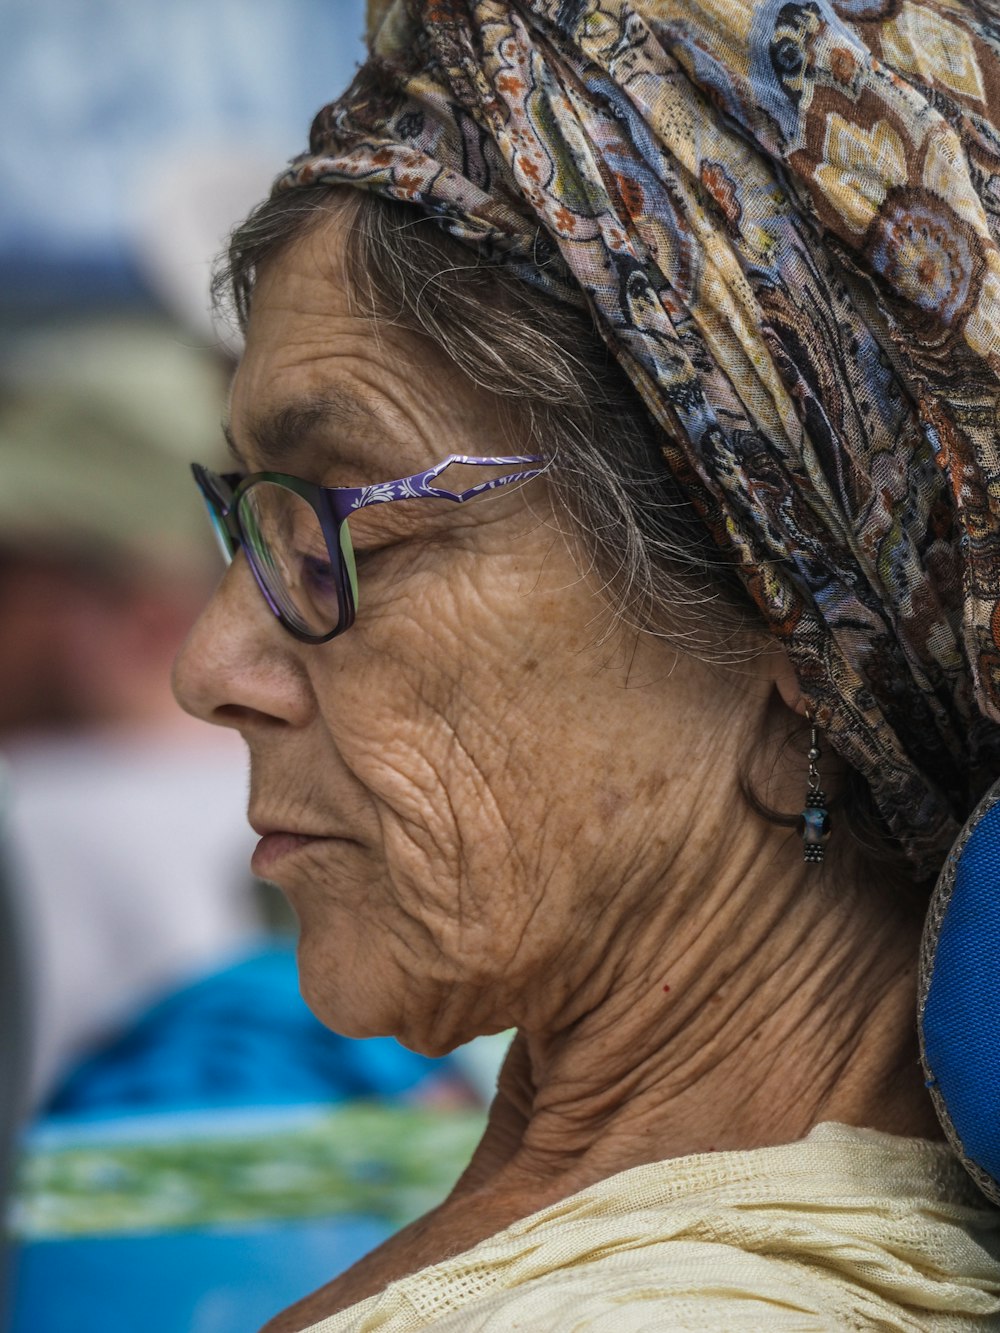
(489, 780)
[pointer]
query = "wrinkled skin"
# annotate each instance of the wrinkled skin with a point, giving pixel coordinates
(530, 817)
(466, 734)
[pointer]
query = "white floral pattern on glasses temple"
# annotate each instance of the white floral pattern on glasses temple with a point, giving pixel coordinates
(421, 484)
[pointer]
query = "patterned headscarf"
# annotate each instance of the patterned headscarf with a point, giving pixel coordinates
(784, 217)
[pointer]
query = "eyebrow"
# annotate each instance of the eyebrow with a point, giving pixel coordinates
(281, 436)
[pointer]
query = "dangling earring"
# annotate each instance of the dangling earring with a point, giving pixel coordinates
(814, 824)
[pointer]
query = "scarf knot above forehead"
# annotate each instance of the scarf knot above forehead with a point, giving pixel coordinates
(783, 215)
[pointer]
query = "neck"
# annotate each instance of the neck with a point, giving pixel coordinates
(788, 1004)
(779, 1003)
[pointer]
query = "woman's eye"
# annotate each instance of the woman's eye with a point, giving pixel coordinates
(317, 572)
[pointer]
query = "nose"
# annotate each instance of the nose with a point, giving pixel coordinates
(238, 667)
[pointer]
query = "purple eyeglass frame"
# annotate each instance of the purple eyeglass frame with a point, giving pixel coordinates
(333, 505)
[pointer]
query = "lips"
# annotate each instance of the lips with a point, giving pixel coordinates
(278, 841)
(286, 828)
(274, 847)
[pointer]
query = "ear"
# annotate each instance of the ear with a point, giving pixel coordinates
(787, 684)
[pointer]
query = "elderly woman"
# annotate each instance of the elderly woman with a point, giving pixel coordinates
(616, 470)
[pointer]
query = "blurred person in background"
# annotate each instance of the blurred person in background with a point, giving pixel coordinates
(131, 887)
(94, 530)
(125, 822)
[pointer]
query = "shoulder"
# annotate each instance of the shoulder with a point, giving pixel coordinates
(846, 1229)
(710, 1286)
(691, 1287)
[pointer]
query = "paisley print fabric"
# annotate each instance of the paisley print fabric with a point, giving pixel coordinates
(784, 216)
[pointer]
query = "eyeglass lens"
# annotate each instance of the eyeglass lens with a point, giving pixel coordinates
(227, 545)
(287, 548)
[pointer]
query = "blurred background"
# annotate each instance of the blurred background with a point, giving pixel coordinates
(181, 1145)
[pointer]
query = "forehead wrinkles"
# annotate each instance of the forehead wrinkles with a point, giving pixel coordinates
(335, 424)
(318, 371)
(324, 381)
(279, 434)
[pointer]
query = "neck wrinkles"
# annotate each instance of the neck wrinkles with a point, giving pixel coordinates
(772, 1007)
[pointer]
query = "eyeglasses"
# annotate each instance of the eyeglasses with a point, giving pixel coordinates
(297, 535)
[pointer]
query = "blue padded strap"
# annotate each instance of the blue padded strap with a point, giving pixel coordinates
(960, 1010)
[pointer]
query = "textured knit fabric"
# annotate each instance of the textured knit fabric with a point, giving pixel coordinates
(784, 216)
(847, 1229)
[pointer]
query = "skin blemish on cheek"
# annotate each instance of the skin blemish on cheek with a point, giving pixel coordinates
(666, 990)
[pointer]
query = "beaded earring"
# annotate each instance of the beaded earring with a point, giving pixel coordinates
(814, 823)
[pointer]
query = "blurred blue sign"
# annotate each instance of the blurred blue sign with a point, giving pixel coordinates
(96, 97)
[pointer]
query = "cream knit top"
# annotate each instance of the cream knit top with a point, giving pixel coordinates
(846, 1229)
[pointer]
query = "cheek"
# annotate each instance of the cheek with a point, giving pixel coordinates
(410, 687)
(471, 724)
(438, 781)
(437, 700)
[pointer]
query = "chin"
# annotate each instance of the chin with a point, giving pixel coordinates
(358, 989)
(346, 988)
